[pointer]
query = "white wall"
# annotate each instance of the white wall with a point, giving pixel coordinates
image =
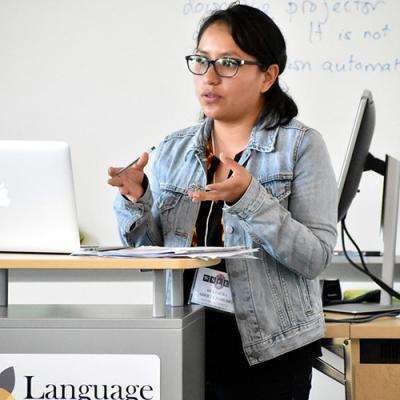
(109, 77)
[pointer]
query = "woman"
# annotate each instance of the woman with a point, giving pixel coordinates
(249, 174)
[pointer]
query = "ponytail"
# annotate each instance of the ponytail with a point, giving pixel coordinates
(279, 107)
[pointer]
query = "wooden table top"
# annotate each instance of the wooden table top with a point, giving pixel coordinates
(381, 328)
(56, 261)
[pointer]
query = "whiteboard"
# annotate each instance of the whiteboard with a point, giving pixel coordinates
(109, 77)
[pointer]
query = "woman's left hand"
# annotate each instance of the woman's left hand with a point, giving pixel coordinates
(230, 190)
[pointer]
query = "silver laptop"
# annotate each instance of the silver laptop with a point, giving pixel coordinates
(362, 308)
(37, 202)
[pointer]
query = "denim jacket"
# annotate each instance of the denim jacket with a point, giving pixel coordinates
(288, 212)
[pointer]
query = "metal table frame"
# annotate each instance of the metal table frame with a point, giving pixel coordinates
(67, 262)
(342, 348)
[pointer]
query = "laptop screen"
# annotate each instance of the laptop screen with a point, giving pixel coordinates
(37, 201)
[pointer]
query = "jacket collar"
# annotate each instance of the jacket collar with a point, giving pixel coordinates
(200, 138)
(261, 139)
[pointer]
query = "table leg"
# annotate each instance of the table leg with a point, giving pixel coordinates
(342, 348)
(3, 287)
(177, 287)
(159, 292)
(329, 370)
(348, 369)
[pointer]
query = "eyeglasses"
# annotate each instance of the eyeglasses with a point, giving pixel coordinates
(225, 67)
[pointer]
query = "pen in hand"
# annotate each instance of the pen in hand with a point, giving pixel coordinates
(121, 171)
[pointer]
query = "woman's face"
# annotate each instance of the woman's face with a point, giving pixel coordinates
(229, 99)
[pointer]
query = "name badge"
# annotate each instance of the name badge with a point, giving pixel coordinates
(211, 288)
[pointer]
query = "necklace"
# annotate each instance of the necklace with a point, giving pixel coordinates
(212, 201)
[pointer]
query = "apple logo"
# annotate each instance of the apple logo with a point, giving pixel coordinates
(4, 199)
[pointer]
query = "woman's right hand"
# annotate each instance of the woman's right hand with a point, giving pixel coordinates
(130, 182)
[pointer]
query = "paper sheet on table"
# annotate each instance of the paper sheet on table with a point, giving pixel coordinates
(204, 253)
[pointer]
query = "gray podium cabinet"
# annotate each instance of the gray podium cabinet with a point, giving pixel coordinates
(176, 337)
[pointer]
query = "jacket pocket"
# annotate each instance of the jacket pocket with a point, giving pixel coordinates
(167, 200)
(305, 296)
(167, 205)
(278, 186)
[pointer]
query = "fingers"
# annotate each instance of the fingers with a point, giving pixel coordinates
(232, 164)
(138, 165)
(125, 192)
(215, 191)
(129, 183)
(230, 190)
(215, 187)
(112, 171)
(133, 191)
(116, 182)
(205, 196)
(142, 162)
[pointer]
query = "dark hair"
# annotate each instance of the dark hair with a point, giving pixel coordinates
(258, 35)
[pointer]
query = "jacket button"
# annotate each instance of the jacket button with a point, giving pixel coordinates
(242, 316)
(229, 229)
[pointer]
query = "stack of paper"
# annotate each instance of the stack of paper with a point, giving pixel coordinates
(204, 253)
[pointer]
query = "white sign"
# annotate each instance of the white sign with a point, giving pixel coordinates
(79, 376)
(211, 288)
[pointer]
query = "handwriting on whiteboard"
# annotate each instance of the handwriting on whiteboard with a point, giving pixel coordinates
(343, 25)
(315, 14)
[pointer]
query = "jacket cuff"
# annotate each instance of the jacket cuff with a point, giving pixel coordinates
(135, 211)
(254, 197)
(145, 199)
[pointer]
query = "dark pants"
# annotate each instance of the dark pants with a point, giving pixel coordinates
(229, 376)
